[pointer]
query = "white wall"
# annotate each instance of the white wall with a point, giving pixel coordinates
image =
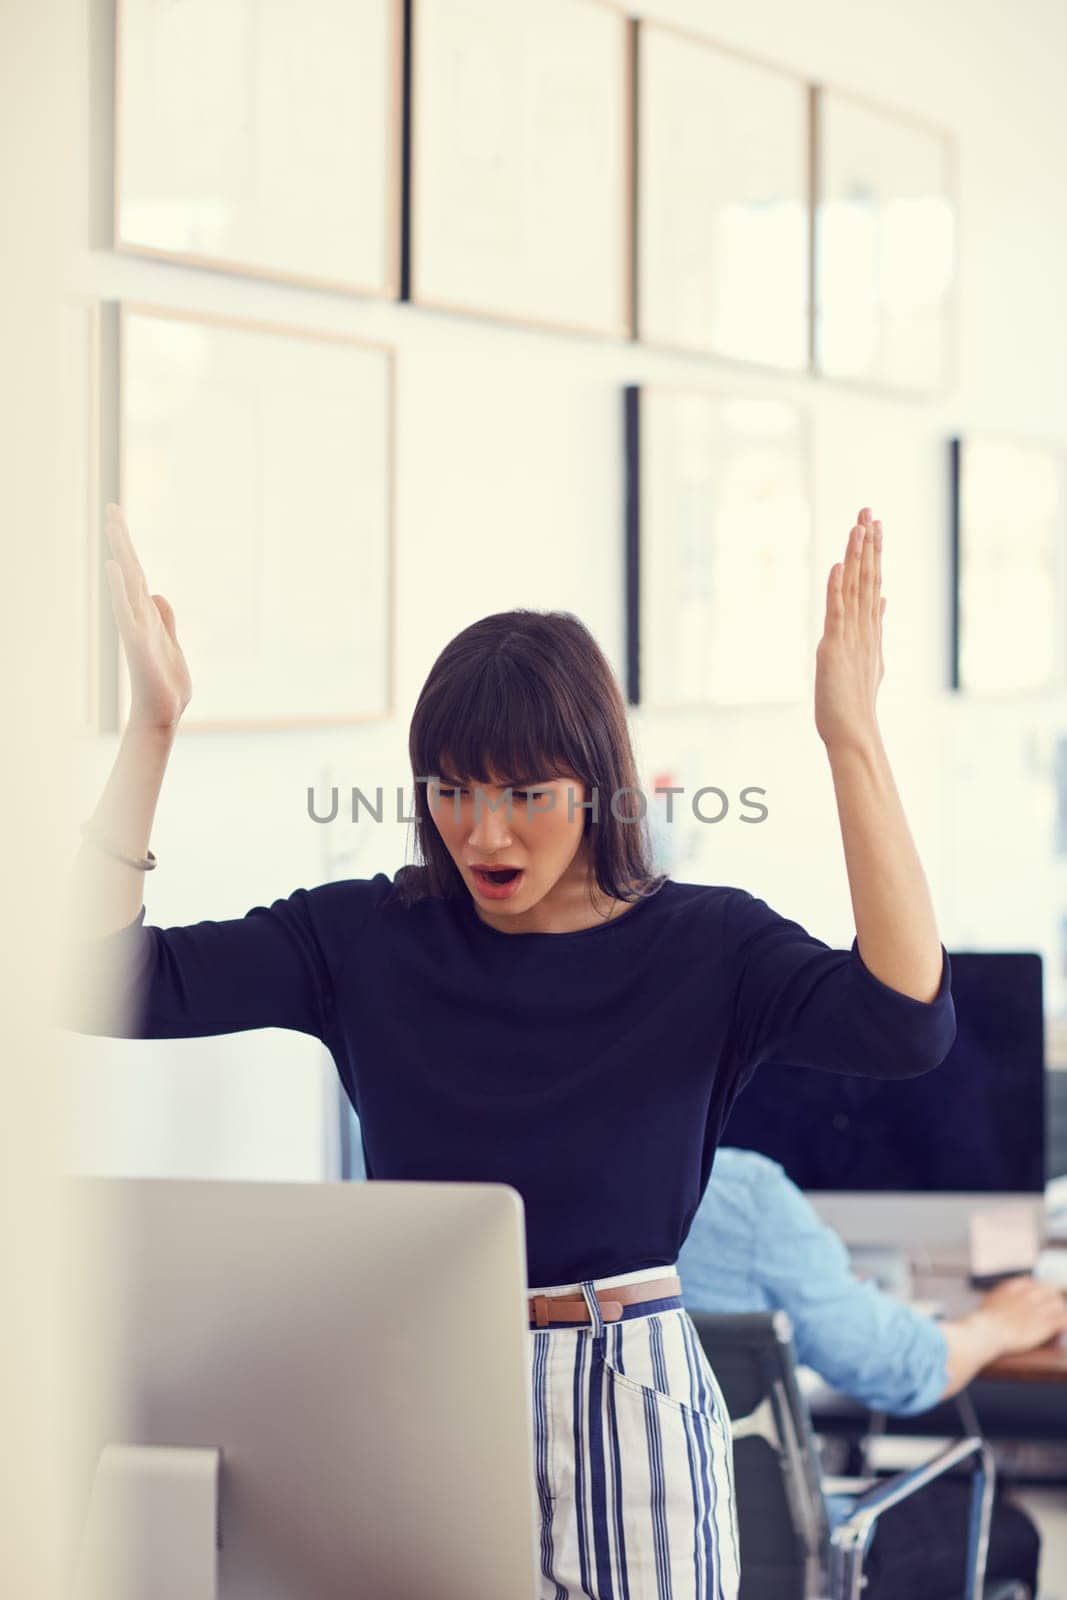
(40, 1358)
(510, 492)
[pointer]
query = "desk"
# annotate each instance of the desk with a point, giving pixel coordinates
(1046, 1364)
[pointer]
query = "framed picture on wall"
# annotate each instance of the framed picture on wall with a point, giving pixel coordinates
(83, 511)
(520, 203)
(1059, 790)
(720, 601)
(723, 202)
(262, 139)
(885, 247)
(256, 470)
(1009, 528)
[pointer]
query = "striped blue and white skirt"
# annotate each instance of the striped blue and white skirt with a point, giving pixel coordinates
(632, 1455)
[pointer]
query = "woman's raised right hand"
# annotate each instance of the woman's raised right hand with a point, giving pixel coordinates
(160, 685)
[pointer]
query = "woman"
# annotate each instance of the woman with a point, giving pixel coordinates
(532, 1005)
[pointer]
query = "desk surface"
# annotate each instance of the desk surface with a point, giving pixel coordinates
(1046, 1364)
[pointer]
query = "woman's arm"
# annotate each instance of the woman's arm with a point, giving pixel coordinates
(107, 894)
(883, 1008)
(278, 966)
(275, 967)
(896, 930)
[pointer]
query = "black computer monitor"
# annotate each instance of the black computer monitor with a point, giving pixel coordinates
(975, 1123)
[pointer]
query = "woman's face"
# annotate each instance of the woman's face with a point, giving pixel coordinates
(540, 834)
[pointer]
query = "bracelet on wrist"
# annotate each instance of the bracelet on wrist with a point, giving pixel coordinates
(142, 863)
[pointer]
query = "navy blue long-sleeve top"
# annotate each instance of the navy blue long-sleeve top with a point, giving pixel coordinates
(592, 1071)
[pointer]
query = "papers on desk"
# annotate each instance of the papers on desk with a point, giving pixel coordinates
(1003, 1240)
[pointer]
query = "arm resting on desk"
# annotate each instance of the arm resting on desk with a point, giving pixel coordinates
(1017, 1315)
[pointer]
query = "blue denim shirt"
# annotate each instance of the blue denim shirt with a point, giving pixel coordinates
(756, 1244)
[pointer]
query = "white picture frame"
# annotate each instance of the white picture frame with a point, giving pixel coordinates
(262, 140)
(885, 247)
(521, 162)
(1009, 538)
(256, 470)
(720, 546)
(79, 467)
(723, 202)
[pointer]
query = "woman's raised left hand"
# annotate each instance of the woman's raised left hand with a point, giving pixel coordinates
(848, 661)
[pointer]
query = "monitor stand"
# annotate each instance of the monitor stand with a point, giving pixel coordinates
(151, 1532)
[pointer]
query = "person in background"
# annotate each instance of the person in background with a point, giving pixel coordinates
(757, 1244)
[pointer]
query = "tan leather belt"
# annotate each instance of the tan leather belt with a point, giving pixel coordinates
(547, 1308)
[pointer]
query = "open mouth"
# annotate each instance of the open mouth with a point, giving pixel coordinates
(497, 882)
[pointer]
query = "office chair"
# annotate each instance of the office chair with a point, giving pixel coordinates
(788, 1551)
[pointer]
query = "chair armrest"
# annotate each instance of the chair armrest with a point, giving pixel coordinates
(851, 1538)
(849, 1486)
(890, 1491)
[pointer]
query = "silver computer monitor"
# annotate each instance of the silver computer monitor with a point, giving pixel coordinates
(353, 1356)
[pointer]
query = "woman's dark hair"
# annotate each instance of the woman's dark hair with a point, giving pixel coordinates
(522, 697)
